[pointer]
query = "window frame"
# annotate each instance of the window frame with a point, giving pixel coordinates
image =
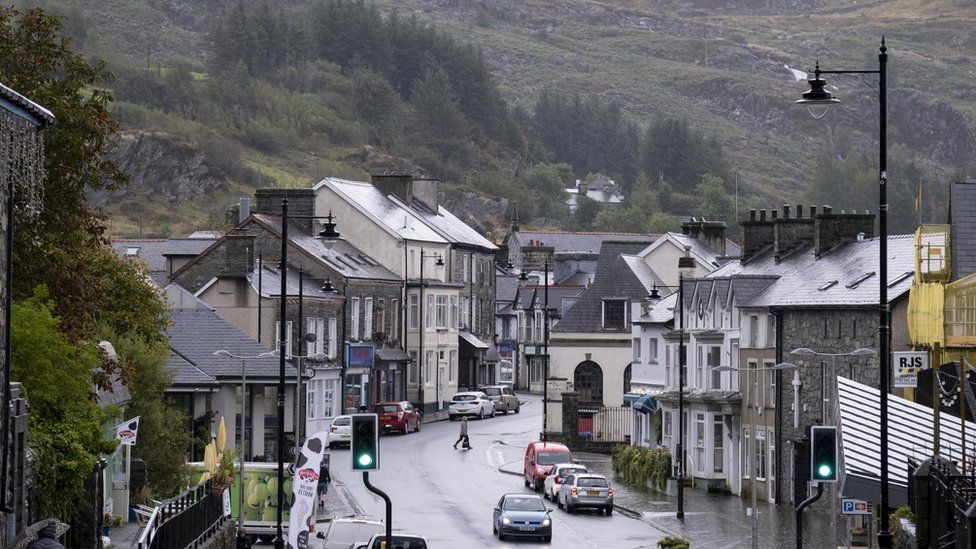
(614, 303)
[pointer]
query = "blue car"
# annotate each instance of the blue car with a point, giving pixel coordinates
(523, 516)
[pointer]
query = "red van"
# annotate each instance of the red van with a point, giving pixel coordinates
(539, 459)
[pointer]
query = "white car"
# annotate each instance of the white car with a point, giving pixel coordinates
(400, 541)
(344, 532)
(471, 403)
(559, 472)
(340, 432)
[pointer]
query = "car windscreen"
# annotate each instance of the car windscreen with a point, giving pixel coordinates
(523, 504)
(341, 421)
(591, 482)
(463, 398)
(343, 532)
(566, 471)
(399, 542)
(386, 408)
(552, 458)
(493, 391)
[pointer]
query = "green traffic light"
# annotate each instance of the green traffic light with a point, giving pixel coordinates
(365, 460)
(824, 471)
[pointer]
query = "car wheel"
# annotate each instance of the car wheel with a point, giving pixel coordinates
(501, 536)
(526, 483)
(331, 445)
(517, 408)
(494, 530)
(451, 417)
(538, 486)
(418, 426)
(559, 503)
(569, 509)
(547, 539)
(609, 511)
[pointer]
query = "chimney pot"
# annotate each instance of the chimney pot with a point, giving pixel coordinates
(773, 214)
(762, 215)
(813, 211)
(786, 211)
(799, 211)
(860, 237)
(752, 214)
(827, 209)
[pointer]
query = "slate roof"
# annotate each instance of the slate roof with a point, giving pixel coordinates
(447, 225)
(271, 282)
(643, 271)
(579, 241)
(614, 279)
(153, 251)
(528, 295)
(194, 336)
(390, 215)
(843, 276)
(506, 288)
(40, 115)
(660, 312)
(338, 254)
(185, 374)
(963, 228)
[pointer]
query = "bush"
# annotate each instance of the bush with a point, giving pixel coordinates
(674, 542)
(639, 466)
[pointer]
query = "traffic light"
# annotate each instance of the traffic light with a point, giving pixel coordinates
(823, 453)
(365, 444)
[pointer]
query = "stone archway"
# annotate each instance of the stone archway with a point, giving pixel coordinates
(588, 382)
(628, 374)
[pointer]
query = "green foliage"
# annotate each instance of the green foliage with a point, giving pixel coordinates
(674, 542)
(902, 539)
(66, 425)
(641, 466)
(672, 151)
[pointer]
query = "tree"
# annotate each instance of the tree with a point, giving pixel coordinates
(716, 204)
(437, 113)
(66, 425)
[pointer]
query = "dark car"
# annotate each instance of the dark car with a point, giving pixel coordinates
(522, 515)
(397, 416)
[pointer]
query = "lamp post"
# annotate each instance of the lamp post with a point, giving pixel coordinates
(243, 446)
(819, 96)
(755, 411)
(523, 276)
(826, 416)
(421, 353)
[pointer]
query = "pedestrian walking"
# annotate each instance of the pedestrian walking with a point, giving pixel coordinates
(464, 434)
(47, 537)
(323, 487)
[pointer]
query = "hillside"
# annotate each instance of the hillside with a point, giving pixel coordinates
(719, 66)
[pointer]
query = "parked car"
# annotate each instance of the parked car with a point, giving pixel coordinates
(397, 416)
(586, 490)
(343, 532)
(471, 403)
(540, 457)
(503, 397)
(340, 432)
(522, 515)
(400, 541)
(555, 478)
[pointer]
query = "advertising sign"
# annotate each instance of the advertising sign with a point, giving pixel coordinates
(360, 356)
(854, 507)
(306, 482)
(906, 365)
(127, 431)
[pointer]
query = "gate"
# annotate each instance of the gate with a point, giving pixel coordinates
(598, 423)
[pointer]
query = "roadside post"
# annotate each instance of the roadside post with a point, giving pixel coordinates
(365, 451)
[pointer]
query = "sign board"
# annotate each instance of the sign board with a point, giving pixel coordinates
(360, 356)
(855, 507)
(906, 365)
(127, 431)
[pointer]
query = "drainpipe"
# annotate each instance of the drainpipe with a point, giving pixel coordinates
(778, 417)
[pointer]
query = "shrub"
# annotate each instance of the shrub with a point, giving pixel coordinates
(638, 465)
(674, 542)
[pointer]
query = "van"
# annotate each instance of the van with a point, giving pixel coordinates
(539, 459)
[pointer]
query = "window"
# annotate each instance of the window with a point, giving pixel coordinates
(770, 331)
(753, 399)
(452, 366)
(700, 368)
(652, 353)
(715, 360)
(476, 323)
(588, 382)
(354, 320)
(772, 466)
(700, 441)
(429, 313)
(760, 455)
(454, 312)
(381, 315)
(368, 318)
(753, 331)
(310, 409)
(637, 349)
(718, 443)
(666, 419)
(316, 327)
(465, 309)
(395, 319)
(427, 365)
(746, 444)
(668, 349)
(529, 328)
(465, 269)
(506, 374)
(413, 368)
(614, 314)
(770, 374)
(414, 316)
(535, 370)
(333, 337)
(441, 317)
(539, 325)
(287, 337)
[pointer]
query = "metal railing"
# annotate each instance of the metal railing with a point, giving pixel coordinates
(187, 520)
(604, 423)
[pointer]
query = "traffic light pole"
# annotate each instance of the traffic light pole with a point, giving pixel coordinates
(389, 507)
(799, 514)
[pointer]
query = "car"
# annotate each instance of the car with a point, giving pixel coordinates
(397, 416)
(340, 432)
(540, 457)
(400, 541)
(586, 490)
(471, 403)
(504, 399)
(555, 478)
(343, 532)
(522, 515)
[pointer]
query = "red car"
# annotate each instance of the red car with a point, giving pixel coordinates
(397, 416)
(540, 457)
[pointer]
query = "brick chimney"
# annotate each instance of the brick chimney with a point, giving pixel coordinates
(712, 234)
(425, 191)
(790, 233)
(301, 205)
(238, 254)
(757, 234)
(832, 229)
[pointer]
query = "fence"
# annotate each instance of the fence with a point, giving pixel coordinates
(598, 423)
(185, 521)
(944, 503)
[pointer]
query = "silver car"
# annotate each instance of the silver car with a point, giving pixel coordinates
(504, 398)
(585, 490)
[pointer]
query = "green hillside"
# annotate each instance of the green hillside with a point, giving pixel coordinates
(719, 67)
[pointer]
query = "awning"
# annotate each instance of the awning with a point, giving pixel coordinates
(492, 355)
(646, 404)
(472, 340)
(392, 355)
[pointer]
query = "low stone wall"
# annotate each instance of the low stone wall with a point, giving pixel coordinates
(224, 539)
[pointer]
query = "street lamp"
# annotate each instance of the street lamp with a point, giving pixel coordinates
(755, 412)
(243, 446)
(420, 355)
(819, 96)
(826, 418)
(524, 276)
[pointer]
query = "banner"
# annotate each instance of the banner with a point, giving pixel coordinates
(127, 431)
(906, 366)
(304, 487)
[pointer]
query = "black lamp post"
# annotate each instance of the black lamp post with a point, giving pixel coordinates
(545, 347)
(421, 352)
(818, 95)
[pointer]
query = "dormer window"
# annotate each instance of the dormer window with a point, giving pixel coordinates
(134, 250)
(614, 314)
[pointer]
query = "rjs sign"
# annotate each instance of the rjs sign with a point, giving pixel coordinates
(906, 366)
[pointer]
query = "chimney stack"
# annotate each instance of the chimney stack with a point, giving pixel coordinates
(791, 232)
(831, 230)
(756, 235)
(712, 234)
(238, 254)
(301, 205)
(244, 210)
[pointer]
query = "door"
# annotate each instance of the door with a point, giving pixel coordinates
(441, 377)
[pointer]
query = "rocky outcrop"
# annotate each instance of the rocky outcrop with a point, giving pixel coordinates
(486, 214)
(165, 167)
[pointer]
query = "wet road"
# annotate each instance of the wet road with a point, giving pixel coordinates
(447, 495)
